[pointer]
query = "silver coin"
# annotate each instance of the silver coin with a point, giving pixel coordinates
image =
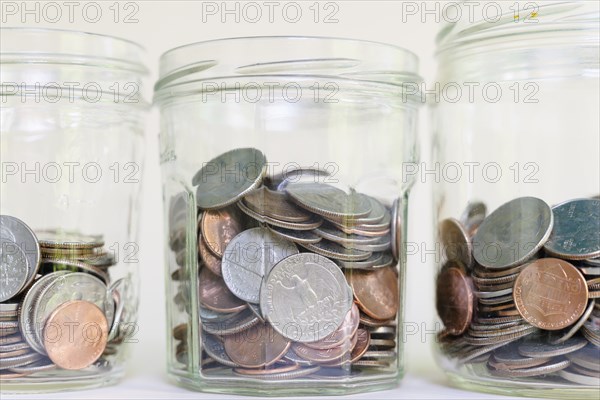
(27, 241)
(309, 225)
(379, 217)
(378, 355)
(575, 328)
(118, 287)
(295, 358)
(369, 263)
(208, 315)
(9, 308)
(575, 235)
(499, 293)
(295, 236)
(59, 239)
(539, 349)
(397, 228)
(298, 373)
(4, 348)
(580, 379)
(42, 365)
(255, 308)
(14, 271)
(281, 180)
(592, 271)
(513, 233)
(545, 369)
(592, 262)
(228, 177)
(456, 243)
(305, 297)
(383, 330)
(329, 201)
(336, 251)
(239, 322)
(473, 216)
(102, 261)
(382, 244)
(70, 286)
(67, 264)
(216, 350)
(588, 357)
(249, 257)
(344, 239)
(18, 361)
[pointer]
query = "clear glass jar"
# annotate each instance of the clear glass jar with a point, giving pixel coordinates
(517, 204)
(72, 143)
(282, 166)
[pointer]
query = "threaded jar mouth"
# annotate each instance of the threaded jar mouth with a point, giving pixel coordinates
(183, 69)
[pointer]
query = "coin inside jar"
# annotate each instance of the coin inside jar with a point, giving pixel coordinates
(214, 294)
(219, 227)
(454, 299)
(376, 291)
(274, 205)
(257, 347)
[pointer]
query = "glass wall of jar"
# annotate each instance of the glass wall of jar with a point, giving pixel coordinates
(71, 146)
(517, 203)
(282, 165)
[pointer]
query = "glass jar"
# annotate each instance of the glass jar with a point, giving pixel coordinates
(72, 143)
(284, 199)
(517, 203)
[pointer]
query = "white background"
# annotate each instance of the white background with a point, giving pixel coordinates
(163, 25)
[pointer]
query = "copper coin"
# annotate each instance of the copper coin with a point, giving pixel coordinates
(274, 205)
(214, 294)
(346, 330)
(376, 291)
(180, 332)
(550, 293)
(211, 261)
(363, 341)
(327, 355)
(256, 347)
(454, 300)
(219, 227)
(456, 243)
(75, 334)
(371, 322)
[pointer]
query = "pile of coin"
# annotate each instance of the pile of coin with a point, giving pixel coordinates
(518, 289)
(58, 309)
(297, 277)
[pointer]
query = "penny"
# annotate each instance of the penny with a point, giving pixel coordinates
(26, 240)
(575, 328)
(336, 251)
(85, 345)
(346, 330)
(553, 366)
(454, 300)
(326, 355)
(237, 323)
(214, 294)
(274, 205)
(212, 262)
(216, 350)
(456, 243)
(544, 350)
(229, 177)
(508, 357)
(219, 227)
(371, 322)
(575, 235)
(572, 376)
(260, 346)
(305, 297)
(550, 294)
(248, 259)
(329, 201)
(513, 233)
(14, 270)
(300, 237)
(376, 291)
(587, 357)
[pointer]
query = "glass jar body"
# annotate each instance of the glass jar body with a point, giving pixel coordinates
(523, 146)
(306, 132)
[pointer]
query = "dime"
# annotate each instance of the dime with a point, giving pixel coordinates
(300, 237)
(260, 346)
(249, 257)
(454, 300)
(305, 297)
(553, 366)
(214, 294)
(505, 338)
(216, 350)
(575, 235)
(376, 291)
(212, 262)
(513, 233)
(456, 243)
(229, 177)
(336, 251)
(584, 371)
(219, 227)
(550, 294)
(329, 201)
(14, 270)
(544, 350)
(274, 205)
(27, 242)
(88, 339)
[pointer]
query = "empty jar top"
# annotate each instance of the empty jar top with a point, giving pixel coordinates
(285, 57)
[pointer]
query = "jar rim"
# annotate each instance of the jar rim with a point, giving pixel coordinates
(286, 56)
(26, 45)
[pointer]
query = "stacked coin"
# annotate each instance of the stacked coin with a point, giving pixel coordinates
(518, 288)
(297, 277)
(57, 311)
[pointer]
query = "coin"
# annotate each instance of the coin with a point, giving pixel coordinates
(87, 338)
(274, 205)
(60, 239)
(41, 365)
(575, 328)
(309, 225)
(473, 216)
(544, 350)
(116, 289)
(454, 300)
(396, 228)
(257, 347)
(295, 358)
(54, 265)
(294, 175)
(239, 322)
(249, 257)
(508, 357)
(216, 350)
(371, 322)
(326, 355)
(264, 372)
(550, 294)
(345, 331)
(588, 357)
(329, 201)
(212, 262)
(572, 376)
(369, 263)
(180, 332)
(513, 233)
(376, 292)
(19, 361)
(14, 270)
(219, 227)
(337, 252)
(306, 237)
(504, 338)
(295, 374)
(214, 294)
(305, 297)
(456, 243)
(551, 367)
(575, 235)
(348, 240)
(27, 242)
